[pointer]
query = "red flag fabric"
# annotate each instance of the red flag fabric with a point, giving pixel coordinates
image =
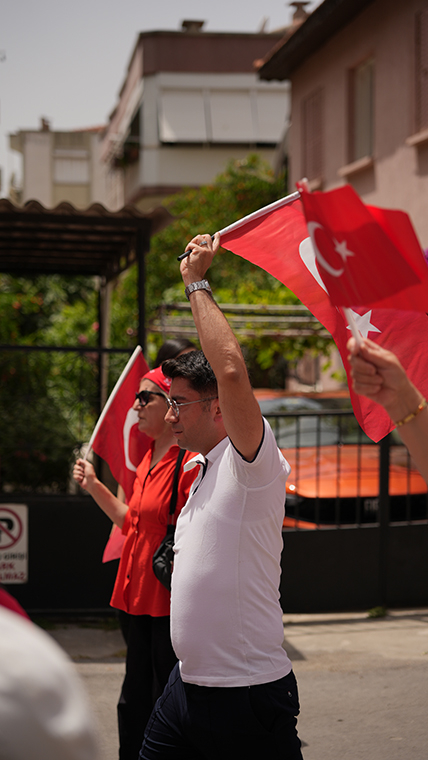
(116, 437)
(114, 545)
(366, 256)
(277, 240)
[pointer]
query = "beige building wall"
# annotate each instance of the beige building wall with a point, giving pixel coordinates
(37, 161)
(179, 120)
(98, 169)
(237, 101)
(61, 166)
(397, 176)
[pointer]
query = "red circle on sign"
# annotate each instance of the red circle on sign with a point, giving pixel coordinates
(11, 538)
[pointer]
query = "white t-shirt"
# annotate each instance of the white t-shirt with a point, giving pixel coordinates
(44, 712)
(226, 620)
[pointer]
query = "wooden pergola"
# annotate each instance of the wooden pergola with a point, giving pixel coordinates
(69, 241)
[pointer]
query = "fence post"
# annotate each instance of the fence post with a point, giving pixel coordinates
(383, 518)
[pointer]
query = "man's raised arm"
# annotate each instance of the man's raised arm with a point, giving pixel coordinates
(240, 410)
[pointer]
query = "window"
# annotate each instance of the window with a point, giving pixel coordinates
(313, 139)
(219, 115)
(232, 117)
(71, 171)
(71, 140)
(182, 116)
(361, 111)
(421, 70)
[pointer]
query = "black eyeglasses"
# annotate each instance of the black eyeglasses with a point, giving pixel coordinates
(143, 397)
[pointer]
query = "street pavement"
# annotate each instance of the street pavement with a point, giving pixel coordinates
(363, 682)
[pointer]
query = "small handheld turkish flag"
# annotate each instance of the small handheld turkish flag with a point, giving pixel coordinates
(116, 437)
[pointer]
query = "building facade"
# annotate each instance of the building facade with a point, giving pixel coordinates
(359, 113)
(190, 102)
(60, 166)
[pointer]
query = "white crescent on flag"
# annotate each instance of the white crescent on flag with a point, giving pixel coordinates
(312, 227)
(307, 254)
(131, 419)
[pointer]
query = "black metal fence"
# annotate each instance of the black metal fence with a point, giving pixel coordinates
(340, 477)
(356, 526)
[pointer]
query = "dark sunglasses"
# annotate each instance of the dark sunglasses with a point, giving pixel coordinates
(143, 397)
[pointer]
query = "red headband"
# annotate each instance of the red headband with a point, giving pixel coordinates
(156, 376)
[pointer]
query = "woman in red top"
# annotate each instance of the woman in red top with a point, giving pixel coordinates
(137, 591)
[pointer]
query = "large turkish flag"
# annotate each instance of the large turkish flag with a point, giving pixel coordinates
(277, 239)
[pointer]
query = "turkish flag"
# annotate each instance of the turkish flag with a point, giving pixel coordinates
(366, 256)
(116, 437)
(276, 239)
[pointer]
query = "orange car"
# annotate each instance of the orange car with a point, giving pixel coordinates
(334, 475)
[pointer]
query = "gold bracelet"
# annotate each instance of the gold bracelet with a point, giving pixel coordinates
(411, 416)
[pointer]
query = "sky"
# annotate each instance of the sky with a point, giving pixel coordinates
(66, 61)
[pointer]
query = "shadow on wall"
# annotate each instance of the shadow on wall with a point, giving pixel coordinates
(364, 181)
(422, 160)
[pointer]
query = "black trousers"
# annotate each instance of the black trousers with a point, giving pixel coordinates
(149, 661)
(205, 723)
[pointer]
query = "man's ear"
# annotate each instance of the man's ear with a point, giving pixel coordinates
(217, 411)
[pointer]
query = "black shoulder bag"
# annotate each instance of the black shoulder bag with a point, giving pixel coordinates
(163, 557)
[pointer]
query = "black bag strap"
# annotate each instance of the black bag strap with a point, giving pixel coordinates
(174, 493)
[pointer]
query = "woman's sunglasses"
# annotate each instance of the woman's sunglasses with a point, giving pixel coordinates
(143, 397)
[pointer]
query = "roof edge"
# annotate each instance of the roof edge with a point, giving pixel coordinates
(323, 23)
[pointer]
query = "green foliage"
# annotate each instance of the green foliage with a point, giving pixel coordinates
(49, 400)
(377, 612)
(42, 412)
(29, 307)
(35, 440)
(242, 188)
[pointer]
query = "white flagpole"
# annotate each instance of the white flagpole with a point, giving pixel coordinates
(111, 398)
(250, 217)
(261, 212)
(353, 325)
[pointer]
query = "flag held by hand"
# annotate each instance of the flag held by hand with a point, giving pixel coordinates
(116, 437)
(276, 238)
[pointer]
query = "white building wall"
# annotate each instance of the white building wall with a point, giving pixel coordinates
(198, 166)
(37, 167)
(191, 125)
(98, 172)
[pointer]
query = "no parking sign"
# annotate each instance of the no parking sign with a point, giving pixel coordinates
(13, 543)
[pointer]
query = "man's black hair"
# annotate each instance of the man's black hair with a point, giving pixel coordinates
(196, 369)
(171, 348)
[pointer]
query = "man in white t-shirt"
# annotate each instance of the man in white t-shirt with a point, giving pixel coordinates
(233, 693)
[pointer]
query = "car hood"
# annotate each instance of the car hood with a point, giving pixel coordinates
(348, 471)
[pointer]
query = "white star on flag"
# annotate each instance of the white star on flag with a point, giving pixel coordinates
(363, 323)
(342, 249)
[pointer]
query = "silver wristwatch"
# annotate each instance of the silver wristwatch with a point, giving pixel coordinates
(200, 285)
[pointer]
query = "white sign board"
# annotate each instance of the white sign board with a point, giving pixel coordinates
(13, 543)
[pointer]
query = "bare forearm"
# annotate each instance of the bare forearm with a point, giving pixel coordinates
(240, 411)
(224, 355)
(414, 432)
(378, 374)
(415, 436)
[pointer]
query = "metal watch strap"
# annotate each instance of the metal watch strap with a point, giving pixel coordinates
(200, 285)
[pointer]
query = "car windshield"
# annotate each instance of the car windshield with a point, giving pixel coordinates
(301, 422)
